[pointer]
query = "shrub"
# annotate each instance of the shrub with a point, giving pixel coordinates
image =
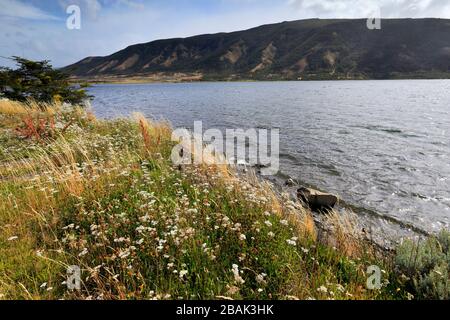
(39, 81)
(426, 266)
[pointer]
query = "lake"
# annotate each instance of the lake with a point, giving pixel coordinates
(382, 146)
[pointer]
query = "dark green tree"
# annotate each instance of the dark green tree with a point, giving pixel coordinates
(39, 81)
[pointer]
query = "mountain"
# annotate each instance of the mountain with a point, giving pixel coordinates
(304, 49)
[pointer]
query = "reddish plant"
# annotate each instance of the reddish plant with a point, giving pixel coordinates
(39, 129)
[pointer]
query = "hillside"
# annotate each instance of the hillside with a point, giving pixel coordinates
(307, 49)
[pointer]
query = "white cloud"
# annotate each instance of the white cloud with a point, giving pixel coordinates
(18, 9)
(93, 8)
(364, 8)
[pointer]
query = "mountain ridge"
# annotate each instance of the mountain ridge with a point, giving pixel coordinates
(290, 50)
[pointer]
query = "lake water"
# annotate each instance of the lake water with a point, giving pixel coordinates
(383, 146)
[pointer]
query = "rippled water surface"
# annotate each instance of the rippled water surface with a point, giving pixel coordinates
(380, 145)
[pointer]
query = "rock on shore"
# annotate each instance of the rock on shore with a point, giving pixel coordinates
(317, 200)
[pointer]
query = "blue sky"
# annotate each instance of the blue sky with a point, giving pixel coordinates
(36, 29)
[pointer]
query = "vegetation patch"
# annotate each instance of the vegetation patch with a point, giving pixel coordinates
(104, 196)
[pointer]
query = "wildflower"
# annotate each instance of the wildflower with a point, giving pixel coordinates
(268, 223)
(271, 234)
(242, 237)
(291, 242)
(322, 289)
(70, 226)
(284, 222)
(140, 229)
(305, 250)
(237, 278)
(183, 273)
(260, 278)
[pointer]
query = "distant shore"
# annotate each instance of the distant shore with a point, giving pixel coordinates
(199, 77)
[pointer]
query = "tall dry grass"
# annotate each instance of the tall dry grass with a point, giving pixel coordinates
(14, 108)
(154, 134)
(344, 232)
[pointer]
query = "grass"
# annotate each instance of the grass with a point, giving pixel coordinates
(104, 195)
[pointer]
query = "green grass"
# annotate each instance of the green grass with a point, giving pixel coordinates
(106, 197)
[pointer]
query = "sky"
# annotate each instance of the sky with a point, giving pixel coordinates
(37, 29)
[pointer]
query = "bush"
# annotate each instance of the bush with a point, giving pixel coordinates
(426, 266)
(39, 81)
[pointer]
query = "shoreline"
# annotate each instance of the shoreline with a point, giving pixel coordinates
(385, 240)
(140, 80)
(370, 219)
(107, 196)
(380, 228)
